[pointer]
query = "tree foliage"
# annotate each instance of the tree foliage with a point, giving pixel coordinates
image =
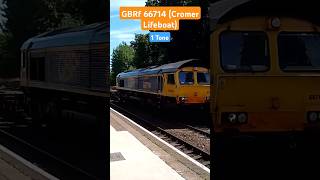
(27, 18)
(8, 65)
(122, 57)
(2, 14)
(192, 39)
(146, 53)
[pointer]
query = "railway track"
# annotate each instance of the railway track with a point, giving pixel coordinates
(43, 159)
(197, 129)
(194, 152)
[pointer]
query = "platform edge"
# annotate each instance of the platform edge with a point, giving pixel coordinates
(24, 166)
(182, 157)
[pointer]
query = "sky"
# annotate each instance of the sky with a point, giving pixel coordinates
(2, 13)
(123, 30)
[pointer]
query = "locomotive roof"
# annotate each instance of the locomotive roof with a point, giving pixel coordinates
(93, 33)
(166, 68)
(224, 10)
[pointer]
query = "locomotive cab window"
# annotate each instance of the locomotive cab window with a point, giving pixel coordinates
(24, 58)
(203, 78)
(186, 77)
(299, 51)
(170, 79)
(121, 83)
(37, 68)
(159, 83)
(244, 51)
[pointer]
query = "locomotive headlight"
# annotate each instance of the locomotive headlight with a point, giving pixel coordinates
(275, 22)
(183, 99)
(236, 118)
(312, 117)
(232, 117)
(242, 118)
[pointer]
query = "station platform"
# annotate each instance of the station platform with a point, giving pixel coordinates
(7, 171)
(130, 159)
(14, 167)
(133, 156)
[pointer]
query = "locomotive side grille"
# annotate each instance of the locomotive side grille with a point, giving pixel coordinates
(99, 69)
(69, 67)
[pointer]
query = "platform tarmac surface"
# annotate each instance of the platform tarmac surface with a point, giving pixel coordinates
(14, 167)
(133, 156)
(7, 171)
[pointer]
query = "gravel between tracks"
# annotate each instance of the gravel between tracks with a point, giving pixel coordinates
(195, 139)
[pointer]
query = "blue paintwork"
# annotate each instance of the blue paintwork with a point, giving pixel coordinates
(85, 35)
(166, 68)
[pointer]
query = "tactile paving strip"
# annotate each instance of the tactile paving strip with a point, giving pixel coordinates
(116, 157)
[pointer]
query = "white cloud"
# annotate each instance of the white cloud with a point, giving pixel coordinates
(125, 31)
(124, 37)
(122, 31)
(114, 16)
(125, 34)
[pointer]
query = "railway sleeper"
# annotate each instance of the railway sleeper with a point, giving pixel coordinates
(196, 157)
(181, 146)
(154, 131)
(166, 138)
(189, 152)
(206, 163)
(174, 143)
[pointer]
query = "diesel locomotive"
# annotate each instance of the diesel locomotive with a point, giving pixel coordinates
(65, 73)
(180, 83)
(265, 69)
(265, 63)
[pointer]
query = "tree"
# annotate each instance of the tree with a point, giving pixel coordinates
(122, 57)
(80, 11)
(192, 39)
(2, 14)
(23, 19)
(8, 65)
(141, 48)
(146, 53)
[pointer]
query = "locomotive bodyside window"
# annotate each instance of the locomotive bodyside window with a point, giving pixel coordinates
(121, 83)
(159, 83)
(244, 51)
(140, 82)
(171, 79)
(41, 69)
(136, 81)
(299, 51)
